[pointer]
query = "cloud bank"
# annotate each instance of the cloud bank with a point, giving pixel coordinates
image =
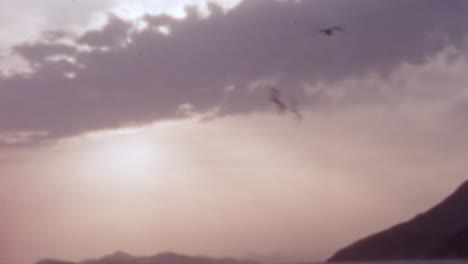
(158, 68)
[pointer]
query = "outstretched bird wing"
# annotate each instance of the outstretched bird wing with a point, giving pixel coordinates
(275, 97)
(337, 29)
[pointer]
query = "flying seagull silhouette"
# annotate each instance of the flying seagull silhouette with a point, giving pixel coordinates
(330, 31)
(275, 97)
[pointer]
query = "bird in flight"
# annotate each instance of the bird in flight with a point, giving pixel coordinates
(330, 31)
(275, 97)
(327, 31)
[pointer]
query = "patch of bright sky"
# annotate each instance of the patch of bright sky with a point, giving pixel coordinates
(135, 9)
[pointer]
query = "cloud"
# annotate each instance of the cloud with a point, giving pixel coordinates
(21, 20)
(123, 74)
(111, 35)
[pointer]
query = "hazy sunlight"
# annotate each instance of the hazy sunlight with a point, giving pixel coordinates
(127, 158)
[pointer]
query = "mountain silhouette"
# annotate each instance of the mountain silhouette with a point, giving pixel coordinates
(120, 257)
(455, 246)
(439, 233)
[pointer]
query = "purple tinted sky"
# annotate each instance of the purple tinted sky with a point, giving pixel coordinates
(385, 124)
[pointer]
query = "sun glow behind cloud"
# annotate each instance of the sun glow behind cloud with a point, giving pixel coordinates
(128, 157)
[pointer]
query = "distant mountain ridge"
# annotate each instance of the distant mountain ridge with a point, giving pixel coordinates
(438, 233)
(120, 257)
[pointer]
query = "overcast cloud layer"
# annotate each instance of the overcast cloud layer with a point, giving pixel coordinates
(120, 76)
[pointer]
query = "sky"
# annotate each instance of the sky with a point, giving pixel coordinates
(147, 126)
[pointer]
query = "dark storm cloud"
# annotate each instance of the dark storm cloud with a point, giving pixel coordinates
(119, 76)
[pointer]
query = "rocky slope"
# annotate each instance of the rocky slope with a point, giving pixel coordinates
(438, 233)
